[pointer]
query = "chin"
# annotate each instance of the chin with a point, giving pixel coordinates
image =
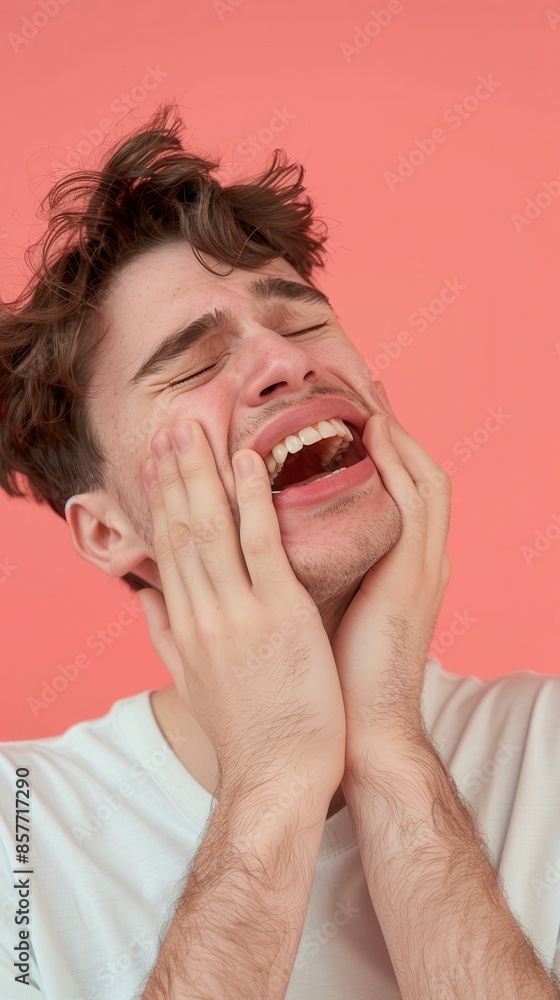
(330, 570)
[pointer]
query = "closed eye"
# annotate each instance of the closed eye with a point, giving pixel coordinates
(298, 333)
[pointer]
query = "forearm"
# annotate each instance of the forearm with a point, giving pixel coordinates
(237, 927)
(444, 918)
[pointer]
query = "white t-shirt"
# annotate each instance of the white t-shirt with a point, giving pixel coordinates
(116, 820)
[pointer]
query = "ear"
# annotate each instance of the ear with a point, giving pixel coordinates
(103, 535)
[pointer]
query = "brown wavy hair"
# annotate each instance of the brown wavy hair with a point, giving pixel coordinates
(148, 192)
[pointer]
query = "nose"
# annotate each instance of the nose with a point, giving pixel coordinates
(280, 367)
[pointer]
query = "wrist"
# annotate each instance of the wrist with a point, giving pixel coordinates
(367, 752)
(267, 812)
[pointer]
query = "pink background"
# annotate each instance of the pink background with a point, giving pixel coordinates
(355, 99)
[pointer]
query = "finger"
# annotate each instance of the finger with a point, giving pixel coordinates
(432, 484)
(179, 606)
(427, 498)
(380, 390)
(157, 619)
(399, 484)
(155, 610)
(259, 532)
(177, 507)
(210, 517)
(419, 464)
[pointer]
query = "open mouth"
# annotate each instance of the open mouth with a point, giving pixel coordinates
(306, 466)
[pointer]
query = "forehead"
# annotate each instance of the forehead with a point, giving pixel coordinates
(165, 287)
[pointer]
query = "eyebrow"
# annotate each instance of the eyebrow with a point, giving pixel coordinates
(262, 289)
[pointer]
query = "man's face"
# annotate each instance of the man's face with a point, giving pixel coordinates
(252, 372)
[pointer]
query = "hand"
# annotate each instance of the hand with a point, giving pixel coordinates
(241, 636)
(382, 642)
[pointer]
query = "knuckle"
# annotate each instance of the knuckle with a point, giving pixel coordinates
(267, 564)
(207, 530)
(258, 545)
(179, 534)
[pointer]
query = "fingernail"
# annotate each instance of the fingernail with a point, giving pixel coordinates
(149, 473)
(182, 437)
(387, 428)
(244, 464)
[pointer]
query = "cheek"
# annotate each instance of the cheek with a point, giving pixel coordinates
(360, 375)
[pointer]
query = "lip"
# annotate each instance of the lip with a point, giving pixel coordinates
(302, 416)
(320, 492)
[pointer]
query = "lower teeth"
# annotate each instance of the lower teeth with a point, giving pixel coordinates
(320, 478)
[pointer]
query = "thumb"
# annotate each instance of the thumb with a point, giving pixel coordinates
(383, 395)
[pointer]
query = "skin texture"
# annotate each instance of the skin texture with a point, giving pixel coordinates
(259, 374)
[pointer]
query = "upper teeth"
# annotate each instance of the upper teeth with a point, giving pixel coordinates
(333, 427)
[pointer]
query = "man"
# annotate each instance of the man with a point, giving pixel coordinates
(282, 819)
